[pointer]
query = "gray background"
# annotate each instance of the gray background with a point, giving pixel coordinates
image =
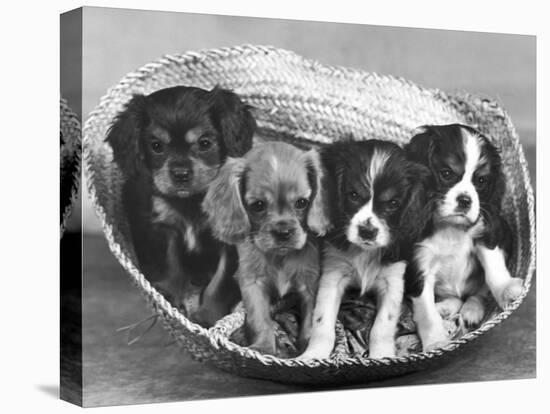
(501, 66)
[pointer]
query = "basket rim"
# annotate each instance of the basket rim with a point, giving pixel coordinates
(215, 338)
(71, 121)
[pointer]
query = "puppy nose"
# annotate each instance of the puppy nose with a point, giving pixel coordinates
(181, 174)
(368, 231)
(464, 202)
(282, 231)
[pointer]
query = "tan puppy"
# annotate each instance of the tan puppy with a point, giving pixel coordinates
(268, 203)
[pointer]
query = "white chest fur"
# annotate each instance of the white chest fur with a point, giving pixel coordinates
(360, 267)
(282, 282)
(448, 256)
(367, 267)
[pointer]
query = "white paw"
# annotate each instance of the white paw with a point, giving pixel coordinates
(472, 312)
(434, 345)
(382, 350)
(510, 292)
(436, 338)
(319, 349)
(448, 307)
(313, 354)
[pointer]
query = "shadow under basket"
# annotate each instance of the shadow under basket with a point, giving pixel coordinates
(69, 154)
(303, 101)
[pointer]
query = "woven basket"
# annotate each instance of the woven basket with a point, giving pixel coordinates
(69, 154)
(300, 98)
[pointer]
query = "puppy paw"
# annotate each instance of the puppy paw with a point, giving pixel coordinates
(314, 353)
(382, 350)
(306, 356)
(510, 292)
(448, 307)
(434, 345)
(472, 312)
(436, 338)
(311, 355)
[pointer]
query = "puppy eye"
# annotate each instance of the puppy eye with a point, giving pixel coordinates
(353, 195)
(258, 206)
(204, 144)
(157, 146)
(481, 180)
(446, 174)
(393, 204)
(301, 203)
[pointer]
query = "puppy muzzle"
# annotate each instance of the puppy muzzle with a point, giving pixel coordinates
(462, 210)
(282, 234)
(281, 237)
(181, 175)
(463, 203)
(367, 231)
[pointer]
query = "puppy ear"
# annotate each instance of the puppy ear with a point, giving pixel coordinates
(498, 187)
(318, 219)
(415, 214)
(421, 145)
(123, 135)
(234, 121)
(223, 203)
(492, 209)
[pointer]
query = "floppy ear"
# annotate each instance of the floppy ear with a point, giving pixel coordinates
(223, 203)
(493, 220)
(498, 186)
(318, 217)
(124, 134)
(415, 214)
(421, 146)
(234, 121)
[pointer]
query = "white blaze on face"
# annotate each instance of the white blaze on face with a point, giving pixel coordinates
(376, 166)
(465, 186)
(366, 213)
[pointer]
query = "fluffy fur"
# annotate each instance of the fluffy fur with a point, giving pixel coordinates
(169, 146)
(268, 203)
(375, 205)
(461, 255)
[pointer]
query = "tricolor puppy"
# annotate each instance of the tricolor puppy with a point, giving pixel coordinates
(169, 146)
(461, 257)
(375, 205)
(268, 203)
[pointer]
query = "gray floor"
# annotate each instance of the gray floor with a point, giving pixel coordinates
(155, 370)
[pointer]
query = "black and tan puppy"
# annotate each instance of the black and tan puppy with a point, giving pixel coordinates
(170, 145)
(267, 203)
(460, 258)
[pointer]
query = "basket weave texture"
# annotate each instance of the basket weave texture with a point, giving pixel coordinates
(70, 154)
(306, 100)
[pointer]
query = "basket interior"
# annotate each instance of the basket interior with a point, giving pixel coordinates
(308, 102)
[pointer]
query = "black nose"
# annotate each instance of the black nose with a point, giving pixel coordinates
(368, 231)
(464, 202)
(282, 232)
(181, 174)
